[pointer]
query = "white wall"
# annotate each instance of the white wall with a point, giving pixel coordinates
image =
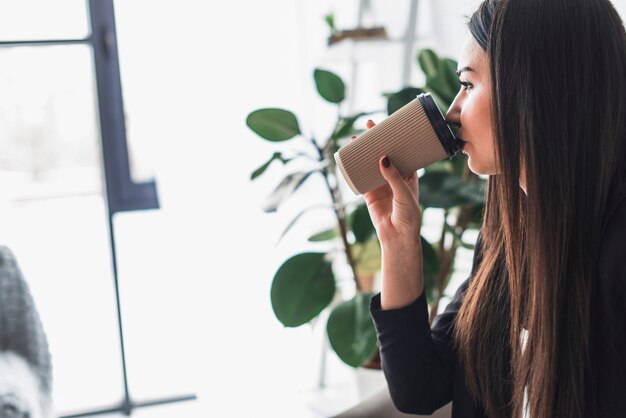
(217, 64)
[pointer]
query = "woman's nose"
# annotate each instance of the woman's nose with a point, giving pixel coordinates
(453, 115)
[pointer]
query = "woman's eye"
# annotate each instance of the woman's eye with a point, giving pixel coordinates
(466, 85)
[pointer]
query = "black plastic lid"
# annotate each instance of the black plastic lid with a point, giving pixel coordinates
(450, 143)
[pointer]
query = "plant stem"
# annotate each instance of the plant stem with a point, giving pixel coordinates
(442, 240)
(446, 264)
(340, 214)
(448, 256)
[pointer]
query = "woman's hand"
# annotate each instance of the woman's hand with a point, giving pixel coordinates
(394, 207)
(397, 217)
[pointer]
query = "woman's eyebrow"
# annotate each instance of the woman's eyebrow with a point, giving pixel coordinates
(466, 68)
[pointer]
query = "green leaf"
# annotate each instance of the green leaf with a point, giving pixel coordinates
(432, 193)
(366, 257)
(448, 73)
(302, 287)
(361, 223)
(329, 86)
(473, 191)
(429, 62)
(261, 169)
(338, 143)
(401, 98)
(279, 156)
(351, 332)
(273, 124)
(446, 190)
(440, 88)
(441, 78)
(330, 21)
(285, 188)
(295, 219)
(345, 126)
(431, 268)
(459, 162)
(324, 235)
(443, 165)
(477, 217)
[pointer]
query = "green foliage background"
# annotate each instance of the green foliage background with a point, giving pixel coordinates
(305, 284)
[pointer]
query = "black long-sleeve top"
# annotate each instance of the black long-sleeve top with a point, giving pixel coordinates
(421, 365)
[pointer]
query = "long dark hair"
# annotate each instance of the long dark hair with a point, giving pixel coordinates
(558, 70)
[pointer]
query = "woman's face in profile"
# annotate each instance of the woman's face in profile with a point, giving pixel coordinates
(471, 109)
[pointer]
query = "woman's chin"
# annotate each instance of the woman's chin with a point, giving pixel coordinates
(475, 167)
(480, 170)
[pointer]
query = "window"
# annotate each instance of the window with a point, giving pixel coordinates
(63, 149)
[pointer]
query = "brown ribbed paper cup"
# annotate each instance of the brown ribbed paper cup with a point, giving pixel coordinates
(413, 137)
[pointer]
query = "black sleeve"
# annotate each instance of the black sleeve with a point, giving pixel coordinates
(419, 361)
(608, 328)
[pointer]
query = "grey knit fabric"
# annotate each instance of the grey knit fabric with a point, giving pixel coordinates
(22, 334)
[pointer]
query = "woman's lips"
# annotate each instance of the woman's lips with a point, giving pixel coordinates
(460, 135)
(463, 142)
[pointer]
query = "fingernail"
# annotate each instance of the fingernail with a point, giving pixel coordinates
(386, 162)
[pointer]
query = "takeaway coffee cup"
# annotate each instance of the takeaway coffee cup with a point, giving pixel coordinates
(413, 137)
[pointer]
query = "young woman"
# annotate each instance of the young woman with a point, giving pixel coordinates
(539, 328)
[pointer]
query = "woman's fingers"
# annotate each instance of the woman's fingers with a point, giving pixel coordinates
(401, 190)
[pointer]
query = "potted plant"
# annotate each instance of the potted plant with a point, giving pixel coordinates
(306, 284)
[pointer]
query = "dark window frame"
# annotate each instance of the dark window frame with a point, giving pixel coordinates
(122, 193)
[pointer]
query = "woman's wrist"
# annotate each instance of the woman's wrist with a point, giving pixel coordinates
(402, 273)
(405, 244)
